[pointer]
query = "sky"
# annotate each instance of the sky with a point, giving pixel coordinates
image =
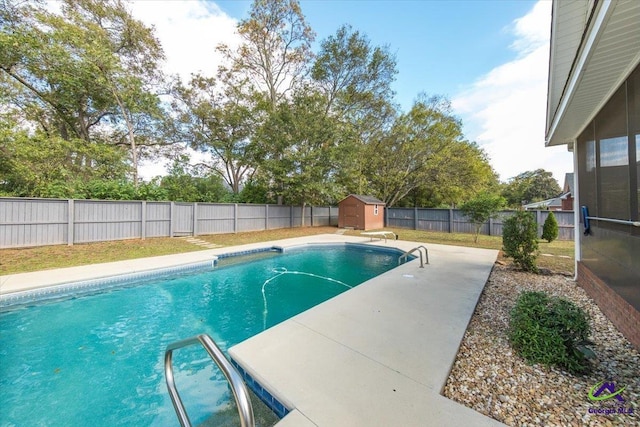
(490, 58)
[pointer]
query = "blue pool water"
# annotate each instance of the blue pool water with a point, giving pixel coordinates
(97, 359)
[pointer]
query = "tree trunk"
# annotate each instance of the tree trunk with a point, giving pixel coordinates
(130, 136)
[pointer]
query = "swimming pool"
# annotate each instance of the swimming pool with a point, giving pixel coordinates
(98, 358)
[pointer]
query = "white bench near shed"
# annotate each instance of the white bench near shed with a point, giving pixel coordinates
(380, 235)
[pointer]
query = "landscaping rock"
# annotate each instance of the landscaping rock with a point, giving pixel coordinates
(490, 378)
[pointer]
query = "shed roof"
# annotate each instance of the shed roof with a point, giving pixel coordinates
(367, 200)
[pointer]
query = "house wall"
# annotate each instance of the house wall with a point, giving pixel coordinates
(351, 213)
(608, 161)
(617, 309)
(359, 215)
(373, 219)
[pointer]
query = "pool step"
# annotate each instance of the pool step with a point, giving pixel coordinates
(200, 242)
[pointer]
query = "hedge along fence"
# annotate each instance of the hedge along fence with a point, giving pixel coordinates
(26, 222)
(454, 221)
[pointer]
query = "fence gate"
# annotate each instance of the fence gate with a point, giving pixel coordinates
(183, 219)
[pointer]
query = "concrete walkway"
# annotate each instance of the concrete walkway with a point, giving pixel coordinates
(379, 354)
(376, 355)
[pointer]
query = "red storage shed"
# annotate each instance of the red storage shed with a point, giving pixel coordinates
(361, 212)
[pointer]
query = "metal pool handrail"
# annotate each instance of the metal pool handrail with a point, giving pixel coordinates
(417, 248)
(240, 391)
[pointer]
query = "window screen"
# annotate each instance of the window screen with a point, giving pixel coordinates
(613, 156)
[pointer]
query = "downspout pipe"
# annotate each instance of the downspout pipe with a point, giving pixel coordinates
(577, 235)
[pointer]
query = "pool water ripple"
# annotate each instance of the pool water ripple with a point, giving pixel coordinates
(98, 359)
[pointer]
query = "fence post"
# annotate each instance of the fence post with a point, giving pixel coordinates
(266, 216)
(539, 222)
(490, 225)
(450, 220)
(143, 219)
(172, 214)
(235, 217)
(311, 207)
(386, 216)
(290, 216)
(70, 221)
(195, 219)
(415, 218)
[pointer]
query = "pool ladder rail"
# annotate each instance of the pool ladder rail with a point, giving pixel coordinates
(405, 255)
(238, 387)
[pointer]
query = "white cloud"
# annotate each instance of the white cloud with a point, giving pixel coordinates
(504, 111)
(189, 32)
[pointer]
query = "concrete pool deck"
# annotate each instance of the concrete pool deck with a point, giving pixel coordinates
(376, 355)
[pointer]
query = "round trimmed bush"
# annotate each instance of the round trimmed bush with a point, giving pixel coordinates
(520, 240)
(551, 331)
(550, 228)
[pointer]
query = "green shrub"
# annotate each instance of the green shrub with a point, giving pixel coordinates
(551, 331)
(520, 240)
(550, 228)
(481, 208)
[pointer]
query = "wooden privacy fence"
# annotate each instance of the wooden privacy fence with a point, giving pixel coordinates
(39, 222)
(454, 221)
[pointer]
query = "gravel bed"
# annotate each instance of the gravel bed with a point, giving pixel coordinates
(490, 378)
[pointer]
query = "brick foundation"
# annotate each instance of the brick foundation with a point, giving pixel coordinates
(624, 316)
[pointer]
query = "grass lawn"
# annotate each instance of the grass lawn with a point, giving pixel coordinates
(48, 257)
(561, 261)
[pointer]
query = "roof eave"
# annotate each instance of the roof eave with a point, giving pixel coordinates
(593, 66)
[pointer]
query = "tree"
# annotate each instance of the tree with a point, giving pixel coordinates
(414, 151)
(275, 49)
(271, 61)
(482, 208)
(85, 73)
(35, 165)
(520, 240)
(46, 75)
(355, 78)
(38, 165)
(304, 150)
(530, 186)
(462, 176)
(120, 190)
(550, 228)
(187, 184)
(218, 122)
(124, 56)
(255, 191)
